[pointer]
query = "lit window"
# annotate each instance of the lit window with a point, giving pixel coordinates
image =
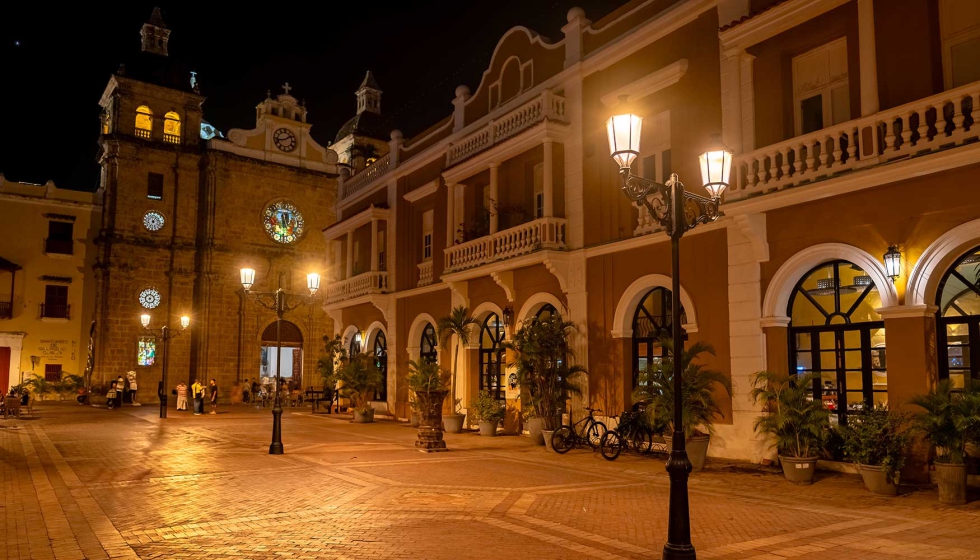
(146, 352)
(171, 127)
(144, 121)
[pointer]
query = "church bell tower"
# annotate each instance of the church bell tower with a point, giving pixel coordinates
(155, 34)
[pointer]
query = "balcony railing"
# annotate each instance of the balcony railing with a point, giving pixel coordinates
(59, 246)
(49, 311)
(927, 125)
(546, 106)
(6, 309)
(425, 273)
(544, 233)
(366, 176)
(368, 283)
(171, 138)
(143, 133)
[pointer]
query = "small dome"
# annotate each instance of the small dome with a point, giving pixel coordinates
(575, 13)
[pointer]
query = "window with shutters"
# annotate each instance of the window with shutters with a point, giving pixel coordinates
(821, 95)
(427, 235)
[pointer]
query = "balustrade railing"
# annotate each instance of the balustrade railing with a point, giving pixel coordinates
(55, 311)
(425, 273)
(938, 122)
(366, 176)
(6, 309)
(143, 133)
(374, 282)
(546, 106)
(171, 138)
(544, 233)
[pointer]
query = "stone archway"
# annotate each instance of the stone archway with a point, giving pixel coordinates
(291, 356)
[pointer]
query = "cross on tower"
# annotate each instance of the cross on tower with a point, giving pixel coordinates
(286, 88)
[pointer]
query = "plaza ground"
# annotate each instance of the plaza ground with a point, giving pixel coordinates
(81, 482)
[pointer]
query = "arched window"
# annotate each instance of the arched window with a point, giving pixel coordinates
(429, 345)
(144, 121)
(651, 322)
(835, 332)
(958, 299)
(355, 345)
(381, 360)
(171, 128)
(491, 356)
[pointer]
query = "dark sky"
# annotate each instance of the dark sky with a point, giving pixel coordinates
(56, 61)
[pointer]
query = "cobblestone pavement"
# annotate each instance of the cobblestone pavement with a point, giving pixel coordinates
(80, 482)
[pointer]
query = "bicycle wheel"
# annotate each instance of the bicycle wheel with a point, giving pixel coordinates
(562, 441)
(594, 434)
(643, 440)
(610, 446)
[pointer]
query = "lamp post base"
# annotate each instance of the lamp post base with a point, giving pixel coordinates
(672, 552)
(163, 407)
(275, 448)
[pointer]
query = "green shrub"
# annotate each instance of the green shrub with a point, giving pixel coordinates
(796, 421)
(877, 437)
(486, 408)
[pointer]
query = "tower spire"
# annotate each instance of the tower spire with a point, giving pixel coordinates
(155, 34)
(369, 95)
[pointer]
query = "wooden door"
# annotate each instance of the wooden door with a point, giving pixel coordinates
(4, 368)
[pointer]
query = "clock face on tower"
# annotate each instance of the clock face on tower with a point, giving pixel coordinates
(284, 139)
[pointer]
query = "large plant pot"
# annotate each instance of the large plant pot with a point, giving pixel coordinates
(799, 470)
(453, 423)
(488, 429)
(951, 480)
(876, 480)
(414, 419)
(697, 450)
(546, 434)
(536, 425)
(430, 423)
(363, 417)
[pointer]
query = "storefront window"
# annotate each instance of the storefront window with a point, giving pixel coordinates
(958, 330)
(836, 333)
(491, 356)
(651, 322)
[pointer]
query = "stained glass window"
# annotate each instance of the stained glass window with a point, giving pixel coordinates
(147, 352)
(150, 298)
(283, 222)
(153, 221)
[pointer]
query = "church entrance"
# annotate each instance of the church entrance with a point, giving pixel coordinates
(291, 362)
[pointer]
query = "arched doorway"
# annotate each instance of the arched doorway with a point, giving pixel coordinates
(651, 322)
(834, 331)
(291, 361)
(958, 298)
(492, 356)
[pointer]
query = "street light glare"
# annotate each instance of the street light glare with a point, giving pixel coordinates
(185, 322)
(248, 278)
(313, 282)
(145, 320)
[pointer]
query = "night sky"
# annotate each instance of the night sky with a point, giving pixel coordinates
(55, 63)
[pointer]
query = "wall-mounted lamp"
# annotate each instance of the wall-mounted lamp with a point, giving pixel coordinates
(35, 360)
(508, 316)
(893, 262)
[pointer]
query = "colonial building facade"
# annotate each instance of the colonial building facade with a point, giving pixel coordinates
(852, 123)
(186, 208)
(46, 280)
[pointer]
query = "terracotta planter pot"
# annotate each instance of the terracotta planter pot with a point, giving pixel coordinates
(799, 470)
(488, 429)
(547, 439)
(430, 424)
(876, 481)
(697, 450)
(414, 419)
(363, 417)
(453, 423)
(951, 480)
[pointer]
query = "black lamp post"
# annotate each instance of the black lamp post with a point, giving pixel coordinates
(677, 211)
(166, 334)
(279, 301)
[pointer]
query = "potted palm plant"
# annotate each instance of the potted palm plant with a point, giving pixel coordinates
(488, 411)
(793, 419)
(359, 377)
(877, 440)
(543, 374)
(428, 383)
(950, 421)
(655, 387)
(460, 324)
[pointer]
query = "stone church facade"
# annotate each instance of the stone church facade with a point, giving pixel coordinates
(186, 209)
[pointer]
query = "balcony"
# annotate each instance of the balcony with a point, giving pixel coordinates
(6, 309)
(171, 138)
(928, 125)
(59, 246)
(368, 283)
(544, 233)
(425, 273)
(143, 133)
(366, 176)
(546, 106)
(49, 311)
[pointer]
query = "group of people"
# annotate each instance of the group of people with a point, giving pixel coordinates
(121, 390)
(199, 393)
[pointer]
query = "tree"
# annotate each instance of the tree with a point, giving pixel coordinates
(459, 323)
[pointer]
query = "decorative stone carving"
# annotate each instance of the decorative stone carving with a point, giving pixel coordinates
(430, 427)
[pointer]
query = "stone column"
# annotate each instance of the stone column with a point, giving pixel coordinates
(350, 254)
(868, 62)
(494, 194)
(548, 178)
(374, 245)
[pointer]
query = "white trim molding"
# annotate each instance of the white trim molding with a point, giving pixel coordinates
(372, 331)
(924, 278)
(908, 311)
(425, 190)
(774, 21)
(534, 304)
(349, 332)
(649, 84)
(776, 302)
(623, 320)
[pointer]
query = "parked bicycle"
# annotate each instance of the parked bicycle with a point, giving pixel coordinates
(587, 431)
(632, 432)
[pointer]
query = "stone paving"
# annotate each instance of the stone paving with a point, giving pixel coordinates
(81, 482)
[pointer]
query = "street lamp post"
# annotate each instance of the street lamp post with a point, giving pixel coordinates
(677, 212)
(166, 334)
(281, 302)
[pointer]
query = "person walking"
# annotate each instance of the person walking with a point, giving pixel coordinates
(120, 391)
(214, 396)
(181, 396)
(198, 391)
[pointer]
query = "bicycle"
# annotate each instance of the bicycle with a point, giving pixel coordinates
(632, 431)
(587, 431)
